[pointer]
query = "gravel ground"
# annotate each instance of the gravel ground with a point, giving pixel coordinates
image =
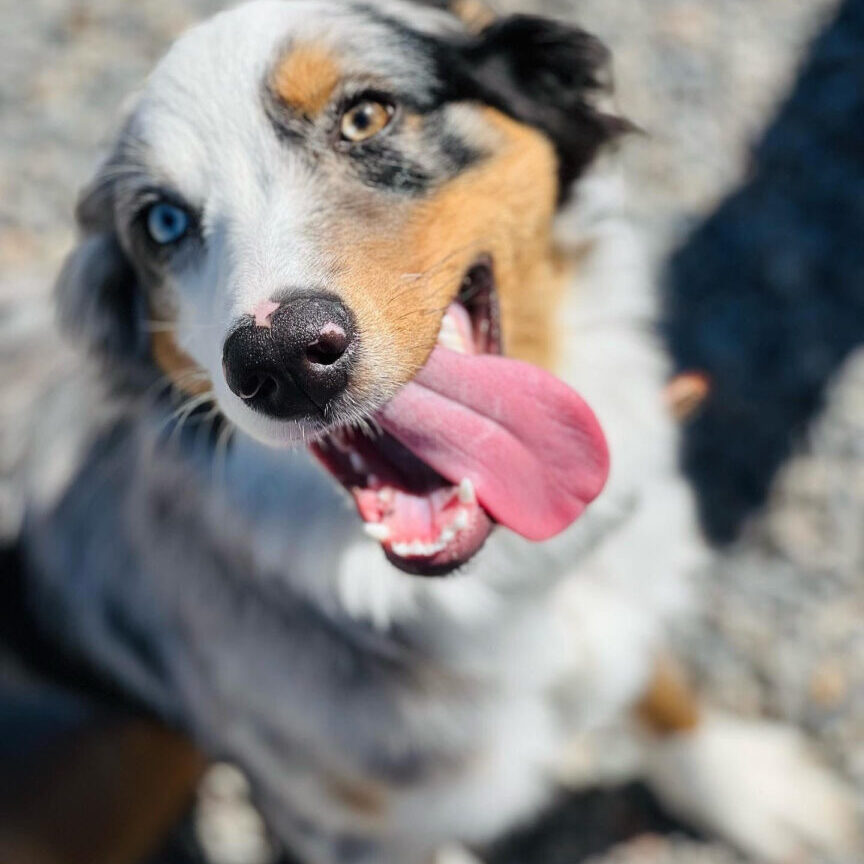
(700, 77)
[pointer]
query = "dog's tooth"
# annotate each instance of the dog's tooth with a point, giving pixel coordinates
(449, 335)
(356, 461)
(460, 521)
(385, 494)
(377, 531)
(417, 548)
(448, 534)
(466, 490)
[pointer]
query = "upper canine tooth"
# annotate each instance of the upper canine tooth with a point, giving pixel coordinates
(466, 490)
(356, 461)
(449, 335)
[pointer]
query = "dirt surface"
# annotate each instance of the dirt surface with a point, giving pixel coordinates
(784, 636)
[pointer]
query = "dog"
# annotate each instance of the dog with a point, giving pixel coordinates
(370, 247)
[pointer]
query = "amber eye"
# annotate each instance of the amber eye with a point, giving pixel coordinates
(365, 119)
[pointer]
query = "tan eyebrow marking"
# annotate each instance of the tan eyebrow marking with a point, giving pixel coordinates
(306, 77)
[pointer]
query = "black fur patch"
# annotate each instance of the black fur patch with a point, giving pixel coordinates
(98, 298)
(31, 662)
(380, 163)
(542, 73)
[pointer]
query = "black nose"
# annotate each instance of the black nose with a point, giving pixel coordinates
(299, 363)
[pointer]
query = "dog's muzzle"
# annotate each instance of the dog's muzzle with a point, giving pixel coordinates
(295, 362)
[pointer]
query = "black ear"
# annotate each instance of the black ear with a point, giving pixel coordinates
(551, 76)
(97, 294)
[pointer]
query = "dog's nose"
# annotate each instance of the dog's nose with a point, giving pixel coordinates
(297, 361)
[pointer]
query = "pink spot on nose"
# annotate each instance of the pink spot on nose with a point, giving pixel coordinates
(331, 328)
(262, 312)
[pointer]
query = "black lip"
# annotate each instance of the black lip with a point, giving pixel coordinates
(424, 569)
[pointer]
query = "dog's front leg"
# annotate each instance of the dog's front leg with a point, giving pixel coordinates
(755, 783)
(454, 854)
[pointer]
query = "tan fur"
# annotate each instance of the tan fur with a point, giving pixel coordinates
(363, 797)
(669, 706)
(305, 78)
(184, 373)
(400, 274)
(686, 393)
(474, 14)
(105, 797)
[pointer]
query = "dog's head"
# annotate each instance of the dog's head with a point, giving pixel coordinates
(302, 191)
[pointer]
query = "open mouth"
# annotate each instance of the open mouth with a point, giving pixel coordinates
(426, 524)
(473, 440)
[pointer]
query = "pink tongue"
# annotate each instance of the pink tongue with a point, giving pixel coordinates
(531, 446)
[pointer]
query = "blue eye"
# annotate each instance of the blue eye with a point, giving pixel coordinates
(167, 223)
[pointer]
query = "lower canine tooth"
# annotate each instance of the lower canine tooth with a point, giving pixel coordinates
(377, 531)
(466, 490)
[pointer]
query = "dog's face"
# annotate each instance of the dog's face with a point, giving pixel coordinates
(304, 188)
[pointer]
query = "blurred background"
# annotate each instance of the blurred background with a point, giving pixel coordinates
(703, 79)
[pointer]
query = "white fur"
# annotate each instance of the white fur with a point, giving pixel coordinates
(757, 784)
(228, 827)
(455, 855)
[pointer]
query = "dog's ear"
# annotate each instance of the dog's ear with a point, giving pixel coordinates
(98, 298)
(551, 76)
